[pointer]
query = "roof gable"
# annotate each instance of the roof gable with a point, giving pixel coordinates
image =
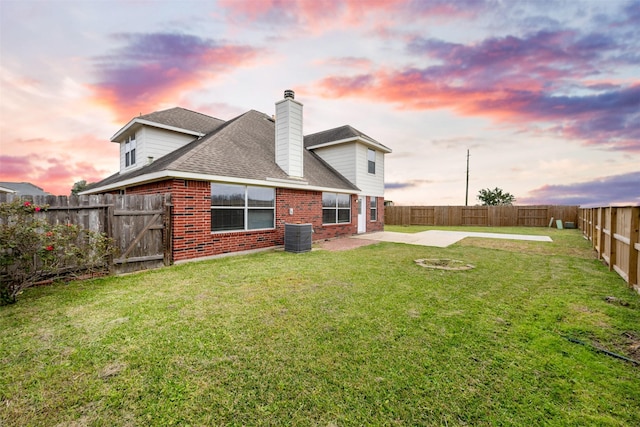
(177, 119)
(340, 135)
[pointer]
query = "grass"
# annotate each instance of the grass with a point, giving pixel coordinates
(361, 337)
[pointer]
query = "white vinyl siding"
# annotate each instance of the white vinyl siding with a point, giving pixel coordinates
(341, 158)
(289, 137)
(370, 184)
(154, 143)
(350, 159)
(159, 142)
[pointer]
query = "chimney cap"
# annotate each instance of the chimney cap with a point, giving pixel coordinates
(289, 94)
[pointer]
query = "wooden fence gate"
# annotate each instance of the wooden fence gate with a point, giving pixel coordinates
(140, 225)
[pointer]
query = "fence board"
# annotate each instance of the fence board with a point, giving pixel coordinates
(494, 216)
(614, 235)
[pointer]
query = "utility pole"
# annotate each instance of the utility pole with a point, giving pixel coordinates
(466, 197)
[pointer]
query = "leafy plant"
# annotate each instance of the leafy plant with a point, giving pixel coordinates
(79, 186)
(32, 250)
(495, 197)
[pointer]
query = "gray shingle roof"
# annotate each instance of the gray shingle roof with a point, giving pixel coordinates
(177, 117)
(243, 148)
(184, 119)
(25, 189)
(338, 134)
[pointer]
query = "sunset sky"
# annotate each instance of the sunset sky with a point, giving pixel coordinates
(545, 95)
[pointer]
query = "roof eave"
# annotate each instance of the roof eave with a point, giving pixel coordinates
(166, 174)
(366, 141)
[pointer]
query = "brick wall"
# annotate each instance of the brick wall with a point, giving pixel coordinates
(378, 224)
(192, 237)
(307, 209)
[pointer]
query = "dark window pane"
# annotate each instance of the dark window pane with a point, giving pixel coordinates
(344, 201)
(260, 197)
(371, 158)
(126, 159)
(227, 219)
(133, 156)
(227, 195)
(328, 200)
(260, 218)
(344, 215)
(328, 216)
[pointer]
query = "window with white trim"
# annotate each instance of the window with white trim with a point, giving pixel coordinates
(130, 151)
(371, 161)
(242, 207)
(336, 208)
(373, 207)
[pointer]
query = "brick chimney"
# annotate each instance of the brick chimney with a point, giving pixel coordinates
(289, 139)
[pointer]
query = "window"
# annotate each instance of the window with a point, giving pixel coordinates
(241, 207)
(130, 151)
(371, 160)
(336, 208)
(373, 206)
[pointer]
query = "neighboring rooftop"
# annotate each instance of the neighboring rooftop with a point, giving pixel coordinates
(22, 189)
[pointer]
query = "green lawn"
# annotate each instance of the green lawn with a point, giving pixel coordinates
(360, 337)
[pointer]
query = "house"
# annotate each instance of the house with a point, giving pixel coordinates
(235, 184)
(22, 189)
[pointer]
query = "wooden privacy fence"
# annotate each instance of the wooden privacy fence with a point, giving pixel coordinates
(140, 225)
(613, 232)
(492, 216)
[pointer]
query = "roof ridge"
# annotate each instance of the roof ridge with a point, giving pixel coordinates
(177, 108)
(333, 129)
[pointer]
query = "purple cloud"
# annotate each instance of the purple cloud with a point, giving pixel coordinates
(151, 68)
(611, 190)
(554, 78)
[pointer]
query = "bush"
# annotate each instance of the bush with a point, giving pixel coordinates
(32, 250)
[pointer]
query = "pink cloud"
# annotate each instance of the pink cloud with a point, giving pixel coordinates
(53, 175)
(322, 15)
(350, 62)
(56, 165)
(151, 69)
(513, 80)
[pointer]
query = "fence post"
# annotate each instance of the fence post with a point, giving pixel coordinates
(168, 232)
(612, 240)
(599, 222)
(633, 250)
(109, 230)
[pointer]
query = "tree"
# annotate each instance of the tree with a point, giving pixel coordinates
(79, 187)
(495, 197)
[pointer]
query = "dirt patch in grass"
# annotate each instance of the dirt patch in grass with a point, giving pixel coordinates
(444, 264)
(343, 244)
(633, 345)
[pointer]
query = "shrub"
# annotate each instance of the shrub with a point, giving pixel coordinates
(32, 250)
